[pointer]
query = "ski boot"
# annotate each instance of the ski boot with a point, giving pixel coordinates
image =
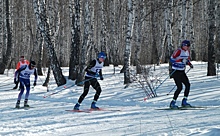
(26, 103)
(17, 104)
(184, 103)
(15, 87)
(76, 107)
(173, 104)
(93, 106)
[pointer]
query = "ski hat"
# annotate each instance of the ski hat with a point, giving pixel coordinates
(21, 57)
(186, 43)
(102, 55)
(32, 63)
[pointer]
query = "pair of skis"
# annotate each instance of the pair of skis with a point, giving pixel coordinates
(91, 110)
(25, 108)
(185, 108)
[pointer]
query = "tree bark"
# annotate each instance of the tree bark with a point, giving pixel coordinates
(1, 29)
(44, 28)
(84, 47)
(127, 53)
(75, 39)
(211, 43)
(7, 55)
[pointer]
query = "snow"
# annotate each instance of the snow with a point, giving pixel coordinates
(135, 118)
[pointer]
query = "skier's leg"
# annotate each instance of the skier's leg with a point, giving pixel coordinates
(98, 89)
(27, 84)
(185, 81)
(179, 87)
(85, 91)
(21, 91)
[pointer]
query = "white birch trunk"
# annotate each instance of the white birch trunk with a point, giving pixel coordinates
(127, 53)
(218, 34)
(184, 21)
(191, 29)
(83, 50)
(92, 34)
(103, 27)
(114, 33)
(169, 19)
(179, 26)
(41, 19)
(25, 36)
(1, 28)
(74, 6)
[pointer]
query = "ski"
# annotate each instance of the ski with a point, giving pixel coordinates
(25, 108)
(85, 111)
(103, 109)
(185, 108)
(91, 110)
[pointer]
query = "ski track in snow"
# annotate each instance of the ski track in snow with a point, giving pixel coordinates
(136, 118)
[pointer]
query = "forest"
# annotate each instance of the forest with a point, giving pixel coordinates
(70, 33)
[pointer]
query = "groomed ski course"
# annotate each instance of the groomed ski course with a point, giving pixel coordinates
(135, 118)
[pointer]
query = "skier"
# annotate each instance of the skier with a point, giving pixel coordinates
(22, 62)
(93, 70)
(24, 74)
(179, 59)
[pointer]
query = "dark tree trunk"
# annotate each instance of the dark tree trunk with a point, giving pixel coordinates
(47, 78)
(6, 57)
(211, 41)
(75, 43)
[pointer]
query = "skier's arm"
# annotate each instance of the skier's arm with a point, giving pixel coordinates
(18, 65)
(35, 77)
(175, 55)
(17, 73)
(100, 74)
(88, 68)
(189, 62)
(19, 70)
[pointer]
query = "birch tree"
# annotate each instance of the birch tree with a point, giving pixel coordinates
(84, 46)
(44, 28)
(139, 10)
(154, 51)
(168, 27)
(7, 55)
(179, 26)
(169, 32)
(1, 29)
(39, 43)
(127, 53)
(113, 33)
(184, 21)
(103, 34)
(211, 70)
(75, 38)
(218, 34)
(191, 30)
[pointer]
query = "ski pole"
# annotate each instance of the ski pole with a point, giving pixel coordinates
(163, 81)
(82, 82)
(175, 85)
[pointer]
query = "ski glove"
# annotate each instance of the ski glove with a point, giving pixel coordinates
(34, 84)
(15, 81)
(101, 78)
(191, 66)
